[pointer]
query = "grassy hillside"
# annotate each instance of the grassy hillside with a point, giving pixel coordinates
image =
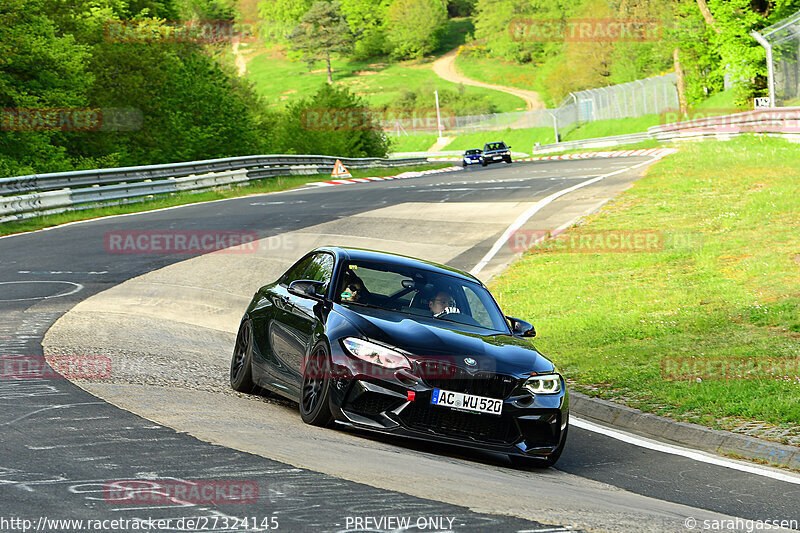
(280, 80)
(496, 71)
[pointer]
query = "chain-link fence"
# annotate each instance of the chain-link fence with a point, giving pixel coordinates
(634, 99)
(782, 42)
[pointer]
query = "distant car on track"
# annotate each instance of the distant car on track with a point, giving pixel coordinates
(397, 345)
(472, 157)
(495, 152)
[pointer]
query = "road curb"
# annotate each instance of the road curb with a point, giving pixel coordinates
(404, 175)
(651, 152)
(683, 433)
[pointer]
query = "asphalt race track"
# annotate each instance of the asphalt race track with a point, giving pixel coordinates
(167, 324)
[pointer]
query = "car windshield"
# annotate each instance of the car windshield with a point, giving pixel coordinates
(473, 152)
(419, 292)
(496, 146)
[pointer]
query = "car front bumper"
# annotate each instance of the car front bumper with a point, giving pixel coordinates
(529, 426)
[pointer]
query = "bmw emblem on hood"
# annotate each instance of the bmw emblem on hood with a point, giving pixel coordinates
(470, 361)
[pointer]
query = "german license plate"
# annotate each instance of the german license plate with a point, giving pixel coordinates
(467, 402)
(498, 157)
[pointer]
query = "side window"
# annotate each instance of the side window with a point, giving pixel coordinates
(297, 271)
(477, 309)
(320, 268)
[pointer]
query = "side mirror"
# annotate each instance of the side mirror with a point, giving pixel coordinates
(306, 288)
(521, 328)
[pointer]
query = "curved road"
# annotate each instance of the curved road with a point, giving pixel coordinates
(167, 324)
(445, 68)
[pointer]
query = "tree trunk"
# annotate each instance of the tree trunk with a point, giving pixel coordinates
(681, 82)
(707, 16)
(328, 61)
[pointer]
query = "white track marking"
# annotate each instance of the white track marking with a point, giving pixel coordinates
(77, 287)
(74, 222)
(682, 452)
(90, 273)
(535, 208)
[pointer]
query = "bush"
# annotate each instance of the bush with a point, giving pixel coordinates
(332, 122)
(414, 27)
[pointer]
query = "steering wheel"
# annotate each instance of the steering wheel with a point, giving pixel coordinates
(459, 318)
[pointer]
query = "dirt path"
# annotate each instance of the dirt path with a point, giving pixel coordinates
(445, 68)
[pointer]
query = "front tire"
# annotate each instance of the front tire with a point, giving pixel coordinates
(315, 392)
(483, 163)
(242, 360)
(519, 461)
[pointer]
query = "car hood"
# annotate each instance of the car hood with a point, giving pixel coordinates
(429, 338)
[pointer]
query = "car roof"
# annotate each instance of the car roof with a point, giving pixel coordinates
(362, 254)
(494, 142)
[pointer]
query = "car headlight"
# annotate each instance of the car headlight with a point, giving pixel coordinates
(544, 384)
(375, 353)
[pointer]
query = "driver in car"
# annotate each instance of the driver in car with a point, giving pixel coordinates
(353, 289)
(442, 304)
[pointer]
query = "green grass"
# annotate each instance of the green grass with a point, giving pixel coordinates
(266, 185)
(412, 143)
(725, 101)
(496, 71)
(725, 285)
(281, 81)
(607, 128)
(520, 140)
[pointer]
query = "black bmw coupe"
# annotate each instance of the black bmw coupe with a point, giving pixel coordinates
(398, 345)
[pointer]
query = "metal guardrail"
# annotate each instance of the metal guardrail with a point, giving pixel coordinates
(61, 191)
(597, 142)
(783, 121)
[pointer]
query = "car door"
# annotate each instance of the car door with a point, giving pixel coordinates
(271, 334)
(292, 330)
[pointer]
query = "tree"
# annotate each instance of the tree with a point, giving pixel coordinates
(366, 20)
(39, 68)
(278, 17)
(413, 26)
(332, 122)
(322, 31)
